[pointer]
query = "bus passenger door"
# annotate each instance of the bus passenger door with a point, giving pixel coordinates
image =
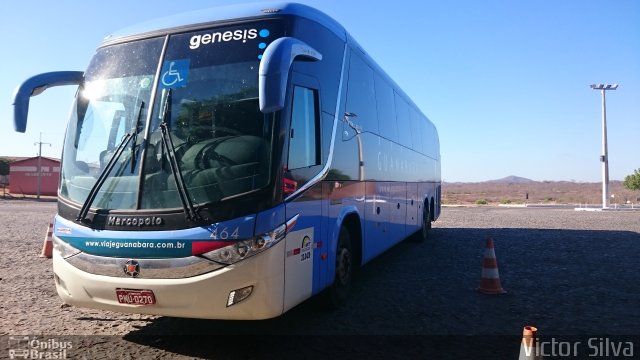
(304, 243)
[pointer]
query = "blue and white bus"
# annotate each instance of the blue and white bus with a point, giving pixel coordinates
(231, 163)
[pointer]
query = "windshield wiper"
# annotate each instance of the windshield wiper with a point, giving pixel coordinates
(103, 176)
(132, 135)
(189, 210)
(135, 131)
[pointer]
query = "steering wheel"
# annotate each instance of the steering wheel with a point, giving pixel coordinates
(211, 154)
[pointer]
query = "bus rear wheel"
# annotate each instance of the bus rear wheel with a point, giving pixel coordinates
(423, 236)
(338, 292)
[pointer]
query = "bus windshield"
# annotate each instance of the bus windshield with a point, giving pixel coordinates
(219, 139)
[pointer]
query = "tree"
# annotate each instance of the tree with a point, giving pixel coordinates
(632, 182)
(4, 166)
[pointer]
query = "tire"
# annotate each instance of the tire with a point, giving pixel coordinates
(336, 295)
(423, 234)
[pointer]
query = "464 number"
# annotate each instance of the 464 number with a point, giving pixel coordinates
(225, 233)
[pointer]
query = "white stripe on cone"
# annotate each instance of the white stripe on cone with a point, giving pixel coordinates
(490, 273)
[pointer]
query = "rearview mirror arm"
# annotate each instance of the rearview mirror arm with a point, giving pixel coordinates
(274, 70)
(35, 85)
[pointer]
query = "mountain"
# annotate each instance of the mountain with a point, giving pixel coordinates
(512, 180)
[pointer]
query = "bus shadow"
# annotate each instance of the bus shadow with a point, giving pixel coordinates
(405, 300)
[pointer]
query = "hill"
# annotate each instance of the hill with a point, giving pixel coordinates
(512, 180)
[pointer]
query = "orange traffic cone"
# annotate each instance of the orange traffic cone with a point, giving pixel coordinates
(490, 281)
(529, 346)
(47, 247)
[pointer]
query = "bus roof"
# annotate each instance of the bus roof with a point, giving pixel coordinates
(241, 12)
(206, 17)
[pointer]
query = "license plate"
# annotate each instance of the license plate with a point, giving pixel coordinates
(135, 297)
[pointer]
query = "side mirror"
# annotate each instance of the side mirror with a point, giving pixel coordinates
(274, 70)
(35, 86)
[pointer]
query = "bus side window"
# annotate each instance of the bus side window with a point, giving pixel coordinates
(361, 97)
(386, 109)
(416, 134)
(403, 118)
(304, 142)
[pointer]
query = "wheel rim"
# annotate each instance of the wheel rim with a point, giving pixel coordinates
(343, 267)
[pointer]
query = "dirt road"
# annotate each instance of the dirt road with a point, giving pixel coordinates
(566, 272)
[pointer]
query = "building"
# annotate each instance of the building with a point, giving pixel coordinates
(23, 176)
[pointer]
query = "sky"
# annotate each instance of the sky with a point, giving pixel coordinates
(505, 82)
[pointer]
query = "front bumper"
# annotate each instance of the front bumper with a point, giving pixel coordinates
(202, 296)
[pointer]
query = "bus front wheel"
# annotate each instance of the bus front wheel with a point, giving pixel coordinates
(339, 291)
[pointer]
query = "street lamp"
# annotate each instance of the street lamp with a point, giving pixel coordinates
(604, 158)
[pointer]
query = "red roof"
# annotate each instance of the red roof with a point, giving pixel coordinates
(16, 159)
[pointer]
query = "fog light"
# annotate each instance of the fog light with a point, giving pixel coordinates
(239, 295)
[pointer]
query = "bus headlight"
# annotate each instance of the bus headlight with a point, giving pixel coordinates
(243, 249)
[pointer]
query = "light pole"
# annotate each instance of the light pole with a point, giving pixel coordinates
(604, 158)
(39, 143)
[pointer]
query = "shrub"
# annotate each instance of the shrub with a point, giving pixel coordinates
(632, 182)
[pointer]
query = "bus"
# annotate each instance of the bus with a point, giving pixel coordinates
(231, 163)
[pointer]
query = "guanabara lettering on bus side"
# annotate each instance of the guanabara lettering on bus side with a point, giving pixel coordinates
(205, 39)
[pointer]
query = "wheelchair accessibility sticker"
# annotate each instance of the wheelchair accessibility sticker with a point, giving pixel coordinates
(175, 73)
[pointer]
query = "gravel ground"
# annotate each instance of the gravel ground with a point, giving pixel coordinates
(566, 272)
